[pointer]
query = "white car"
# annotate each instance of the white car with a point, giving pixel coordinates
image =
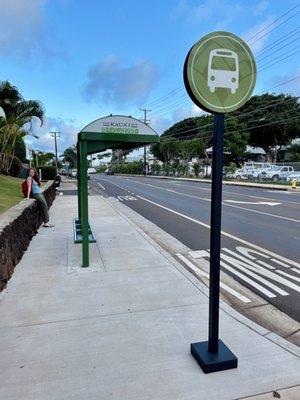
(295, 176)
(91, 170)
(257, 170)
(276, 173)
(238, 174)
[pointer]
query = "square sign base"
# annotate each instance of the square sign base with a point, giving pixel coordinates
(213, 362)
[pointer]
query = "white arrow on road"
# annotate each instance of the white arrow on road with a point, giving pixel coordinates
(265, 203)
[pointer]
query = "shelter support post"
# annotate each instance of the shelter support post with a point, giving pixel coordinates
(78, 182)
(82, 173)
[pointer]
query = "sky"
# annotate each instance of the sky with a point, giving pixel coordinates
(87, 59)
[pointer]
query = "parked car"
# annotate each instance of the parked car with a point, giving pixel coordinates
(295, 175)
(238, 174)
(257, 170)
(276, 173)
(109, 171)
(91, 170)
(74, 174)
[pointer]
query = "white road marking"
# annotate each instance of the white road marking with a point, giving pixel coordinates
(245, 242)
(265, 264)
(252, 266)
(228, 205)
(280, 263)
(250, 281)
(253, 202)
(206, 275)
(264, 213)
(102, 187)
(126, 198)
(247, 266)
(288, 275)
(235, 193)
(296, 270)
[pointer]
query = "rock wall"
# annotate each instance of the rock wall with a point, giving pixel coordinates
(18, 225)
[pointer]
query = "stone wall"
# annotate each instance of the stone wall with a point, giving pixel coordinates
(18, 225)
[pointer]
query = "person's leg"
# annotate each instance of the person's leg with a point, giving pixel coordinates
(41, 200)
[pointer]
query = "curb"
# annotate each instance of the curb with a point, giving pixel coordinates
(230, 183)
(140, 223)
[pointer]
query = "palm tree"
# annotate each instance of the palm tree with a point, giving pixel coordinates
(18, 112)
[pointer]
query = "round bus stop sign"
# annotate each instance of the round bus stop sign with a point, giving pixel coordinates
(220, 72)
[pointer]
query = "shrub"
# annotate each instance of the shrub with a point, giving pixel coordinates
(15, 167)
(102, 168)
(197, 168)
(134, 168)
(48, 172)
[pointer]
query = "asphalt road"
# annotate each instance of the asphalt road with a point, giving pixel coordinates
(260, 240)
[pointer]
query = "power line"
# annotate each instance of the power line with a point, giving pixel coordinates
(277, 42)
(171, 102)
(208, 134)
(266, 66)
(275, 103)
(282, 47)
(164, 96)
(274, 22)
(166, 106)
(289, 80)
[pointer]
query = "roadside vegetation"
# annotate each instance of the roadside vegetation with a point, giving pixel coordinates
(10, 193)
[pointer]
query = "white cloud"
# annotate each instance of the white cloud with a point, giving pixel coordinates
(219, 13)
(160, 124)
(291, 86)
(260, 7)
(68, 135)
(23, 33)
(187, 112)
(257, 36)
(122, 85)
(21, 23)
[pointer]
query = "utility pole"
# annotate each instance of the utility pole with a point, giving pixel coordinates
(145, 122)
(56, 135)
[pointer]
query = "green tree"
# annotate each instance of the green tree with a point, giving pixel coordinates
(70, 156)
(236, 137)
(190, 127)
(273, 122)
(40, 158)
(294, 151)
(165, 151)
(20, 149)
(190, 148)
(18, 112)
(197, 168)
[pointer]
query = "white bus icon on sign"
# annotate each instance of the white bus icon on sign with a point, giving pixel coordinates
(223, 70)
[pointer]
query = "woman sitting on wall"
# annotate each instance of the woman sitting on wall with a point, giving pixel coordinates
(33, 189)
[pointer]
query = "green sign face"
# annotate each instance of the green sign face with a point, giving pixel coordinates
(220, 72)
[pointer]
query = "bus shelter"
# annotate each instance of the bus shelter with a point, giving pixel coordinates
(111, 132)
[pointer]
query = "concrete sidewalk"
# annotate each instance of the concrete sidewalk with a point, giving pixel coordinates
(122, 328)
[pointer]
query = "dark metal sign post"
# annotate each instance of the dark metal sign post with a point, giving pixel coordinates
(213, 355)
(219, 75)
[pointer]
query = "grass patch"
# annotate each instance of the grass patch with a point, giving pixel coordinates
(10, 192)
